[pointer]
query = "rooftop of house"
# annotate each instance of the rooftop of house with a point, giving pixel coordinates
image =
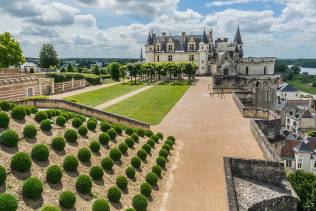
(291, 105)
(309, 146)
(301, 112)
(288, 88)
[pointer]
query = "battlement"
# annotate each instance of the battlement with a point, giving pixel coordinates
(257, 59)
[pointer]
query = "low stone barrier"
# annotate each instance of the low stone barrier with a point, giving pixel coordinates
(84, 110)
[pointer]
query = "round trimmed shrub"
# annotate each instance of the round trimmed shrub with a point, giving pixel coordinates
(50, 208)
(83, 130)
(70, 163)
(32, 188)
(71, 135)
(105, 126)
(95, 146)
(84, 184)
(76, 122)
(9, 138)
(46, 125)
(104, 138)
(3, 175)
(100, 205)
(164, 153)
(21, 162)
(40, 152)
(130, 172)
(96, 172)
(54, 174)
(5, 105)
(40, 116)
(135, 137)
(34, 109)
(91, 124)
(160, 135)
(151, 178)
(157, 170)
(166, 147)
(140, 132)
(114, 194)
(121, 182)
(67, 199)
(58, 143)
(155, 138)
(145, 189)
(4, 119)
(112, 133)
(123, 148)
(130, 209)
(29, 131)
(147, 148)
(172, 138)
(169, 142)
(129, 131)
(8, 202)
(142, 154)
(161, 161)
(129, 141)
(18, 112)
(107, 163)
(84, 154)
(49, 114)
(27, 110)
(151, 142)
(148, 133)
(135, 162)
(61, 121)
(118, 129)
(115, 154)
(140, 202)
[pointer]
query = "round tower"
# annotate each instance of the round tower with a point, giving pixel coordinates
(203, 55)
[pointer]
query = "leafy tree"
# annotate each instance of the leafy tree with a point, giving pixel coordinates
(70, 68)
(296, 69)
(10, 51)
(48, 56)
(280, 67)
(123, 72)
(114, 70)
(63, 69)
(96, 69)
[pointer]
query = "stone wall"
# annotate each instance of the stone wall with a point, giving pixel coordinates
(69, 86)
(84, 110)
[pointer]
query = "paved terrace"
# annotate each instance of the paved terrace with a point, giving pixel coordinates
(206, 129)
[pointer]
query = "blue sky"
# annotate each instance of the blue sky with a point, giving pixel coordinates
(118, 28)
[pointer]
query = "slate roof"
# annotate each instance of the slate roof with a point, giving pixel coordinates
(290, 137)
(288, 88)
(290, 105)
(287, 149)
(237, 38)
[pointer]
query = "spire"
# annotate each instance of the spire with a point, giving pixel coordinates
(141, 55)
(238, 36)
(149, 39)
(204, 38)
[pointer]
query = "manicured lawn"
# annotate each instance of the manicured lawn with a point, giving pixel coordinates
(97, 97)
(303, 87)
(151, 105)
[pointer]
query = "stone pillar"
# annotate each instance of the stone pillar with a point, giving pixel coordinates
(72, 83)
(40, 86)
(53, 86)
(63, 86)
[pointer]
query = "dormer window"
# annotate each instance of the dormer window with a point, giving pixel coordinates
(169, 47)
(191, 47)
(157, 48)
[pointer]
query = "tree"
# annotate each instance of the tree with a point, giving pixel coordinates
(123, 72)
(62, 69)
(114, 69)
(280, 67)
(10, 51)
(70, 68)
(96, 69)
(296, 69)
(48, 56)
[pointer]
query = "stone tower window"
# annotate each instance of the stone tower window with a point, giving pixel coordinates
(170, 58)
(191, 57)
(157, 47)
(169, 47)
(191, 47)
(247, 70)
(265, 70)
(158, 58)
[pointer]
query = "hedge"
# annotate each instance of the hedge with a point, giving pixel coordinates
(8, 202)
(83, 184)
(4, 119)
(58, 143)
(40, 152)
(54, 174)
(32, 188)
(114, 194)
(9, 138)
(70, 163)
(140, 202)
(100, 205)
(29, 131)
(3, 175)
(67, 199)
(21, 162)
(18, 112)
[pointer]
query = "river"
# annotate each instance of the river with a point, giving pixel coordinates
(310, 71)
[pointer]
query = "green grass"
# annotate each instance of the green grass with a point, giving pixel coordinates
(303, 86)
(151, 105)
(99, 96)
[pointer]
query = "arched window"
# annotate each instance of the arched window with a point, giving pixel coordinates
(257, 84)
(247, 70)
(265, 70)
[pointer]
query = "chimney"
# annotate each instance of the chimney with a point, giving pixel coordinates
(164, 35)
(184, 36)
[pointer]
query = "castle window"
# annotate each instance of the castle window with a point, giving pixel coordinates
(288, 163)
(158, 58)
(157, 47)
(299, 163)
(202, 61)
(191, 47)
(265, 70)
(150, 49)
(169, 47)
(247, 70)
(170, 58)
(191, 57)
(30, 92)
(314, 164)
(209, 57)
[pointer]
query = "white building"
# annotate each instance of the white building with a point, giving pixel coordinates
(300, 121)
(28, 67)
(287, 92)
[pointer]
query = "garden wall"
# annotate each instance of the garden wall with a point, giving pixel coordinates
(84, 110)
(69, 85)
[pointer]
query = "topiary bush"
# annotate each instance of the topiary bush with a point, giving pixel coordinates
(157, 170)
(148, 133)
(164, 153)
(123, 148)
(160, 135)
(104, 138)
(115, 154)
(3, 175)
(67, 199)
(49, 114)
(27, 110)
(40, 152)
(9, 138)
(84, 184)
(135, 137)
(61, 121)
(151, 142)
(151, 178)
(40, 116)
(161, 161)
(114, 194)
(50, 208)
(96, 172)
(107, 163)
(169, 142)
(145, 189)
(46, 125)
(92, 124)
(84, 154)
(70, 163)
(100, 205)
(121, 182)
(95, 146)
(18, 113)
(142, 154)
(58, 143)
(76, 122)
(172, 138)
(155, 138)
(166, 147)
(5, 105)
(112, 133)
(129, 131)
(54, 174)
(130, 142)
(71, 135)
(135, 162)
(130, 172)
(105, 126)
(4, 119)
(34, 109)
(147, 148)
(8, 202)
(29, 131)
(140, 202)
(21, 162)
(130, 209)
(32, 188)
(83, 130)
(140, 132)
(118, 129)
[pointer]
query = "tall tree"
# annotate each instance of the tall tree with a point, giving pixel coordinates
(114, 69)
(48, 56)
(123, 72)
(70, 68)
(10, 51)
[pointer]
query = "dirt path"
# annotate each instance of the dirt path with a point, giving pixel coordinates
(123, 97)
(79, 91)
(206, 130)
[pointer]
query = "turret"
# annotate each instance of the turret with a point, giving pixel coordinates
(238, 42)
(203, 50)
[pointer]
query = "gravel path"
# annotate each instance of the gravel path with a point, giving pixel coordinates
(206, 129)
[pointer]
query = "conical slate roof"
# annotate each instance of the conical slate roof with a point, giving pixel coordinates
(237, 38)
(204, 37)
(150, 39)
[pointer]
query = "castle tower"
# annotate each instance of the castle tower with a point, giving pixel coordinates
(203, 58)
(150, 49)
(238, 42)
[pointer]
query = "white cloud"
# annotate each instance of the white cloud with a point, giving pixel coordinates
(85, 20)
